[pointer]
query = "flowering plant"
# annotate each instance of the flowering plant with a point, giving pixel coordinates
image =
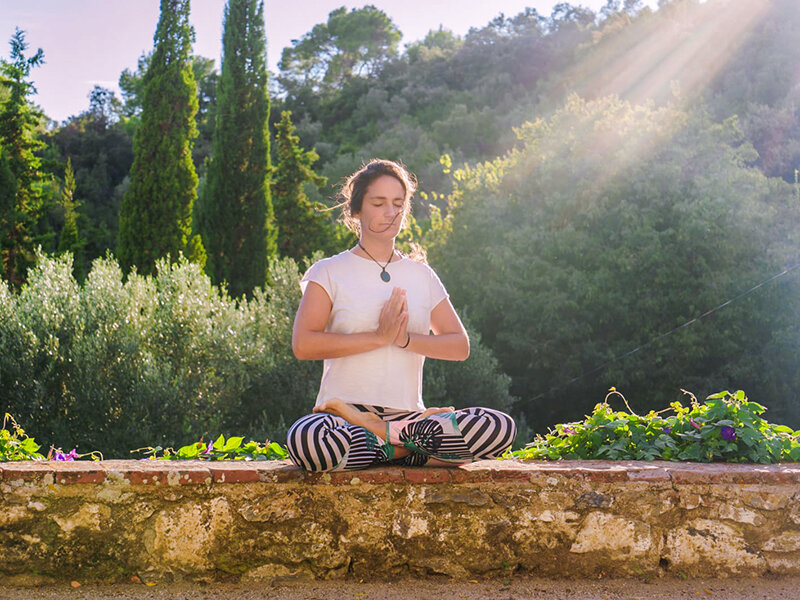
(727, 427)
(15, 445)
(221, 449)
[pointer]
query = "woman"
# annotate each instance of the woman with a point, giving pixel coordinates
(368, 313)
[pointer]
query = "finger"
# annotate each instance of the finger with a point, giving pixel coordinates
(398, 295)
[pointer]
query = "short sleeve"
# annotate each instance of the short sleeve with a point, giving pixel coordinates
(318, 273)
(437, 291)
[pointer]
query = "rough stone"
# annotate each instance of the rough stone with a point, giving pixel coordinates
(614, 535)
(704, 546)
(788, 541)
(89, 516)
(272, 522)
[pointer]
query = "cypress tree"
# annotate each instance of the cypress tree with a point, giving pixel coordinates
(235, 216)
(156, 213)
(69, 240)
(8, 193)
(20, 175)
(303, 229)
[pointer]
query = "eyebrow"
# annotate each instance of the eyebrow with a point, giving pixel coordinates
(386, 197)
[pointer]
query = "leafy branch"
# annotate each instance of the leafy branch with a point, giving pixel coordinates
(727, 427)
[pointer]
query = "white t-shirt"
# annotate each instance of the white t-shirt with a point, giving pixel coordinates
(389, 376)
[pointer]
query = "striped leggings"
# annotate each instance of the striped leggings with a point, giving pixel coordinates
(324, 442)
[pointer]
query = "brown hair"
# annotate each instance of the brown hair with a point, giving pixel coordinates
(351, 195)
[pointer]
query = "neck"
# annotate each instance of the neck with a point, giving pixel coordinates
(379, 249)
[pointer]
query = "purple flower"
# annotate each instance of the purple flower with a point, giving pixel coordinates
(569, 431)
(695, 425)
(210, 446)
(69, 456)
(728, 433)
(667, 429)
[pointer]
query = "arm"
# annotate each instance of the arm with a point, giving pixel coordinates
(310, 341)
(449, 340)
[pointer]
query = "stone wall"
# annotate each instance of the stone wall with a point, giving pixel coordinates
(164, 521)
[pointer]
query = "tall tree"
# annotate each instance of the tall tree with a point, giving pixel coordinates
(351, 44)
(155, 217)
(20, 176)
(69, 239)
(235, 216)
(302, 228)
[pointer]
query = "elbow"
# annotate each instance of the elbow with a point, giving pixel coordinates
(464, 354)
(298, 349)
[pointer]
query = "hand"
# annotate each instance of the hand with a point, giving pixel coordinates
(392, 317)
(402, 333)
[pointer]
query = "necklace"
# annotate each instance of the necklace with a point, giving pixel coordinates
(384, 275)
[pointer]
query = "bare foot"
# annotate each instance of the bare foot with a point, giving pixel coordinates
(435, 411)
(334, 406)
(369, 421)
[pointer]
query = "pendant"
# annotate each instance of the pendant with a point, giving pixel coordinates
(385, 276)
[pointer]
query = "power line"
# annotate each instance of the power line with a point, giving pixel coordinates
(668, 333)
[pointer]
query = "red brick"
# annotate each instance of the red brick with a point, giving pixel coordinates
(226, 472)
(374, 475)
(158, 472)
(190, 475)
(648, 475)
(506, 470)
(282, 474)
(382, 475)
(734, 473)
(604, 475)
(426, 475)
(144, 476)
(27, 470)
(466, 474)
(278, 471)
(68, 473)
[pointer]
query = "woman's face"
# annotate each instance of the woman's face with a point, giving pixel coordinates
(383, 208)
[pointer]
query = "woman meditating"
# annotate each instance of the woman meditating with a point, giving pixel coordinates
(369, 313)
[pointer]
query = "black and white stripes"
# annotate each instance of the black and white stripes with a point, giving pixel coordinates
(324, 442)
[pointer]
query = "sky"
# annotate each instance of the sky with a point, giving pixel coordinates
(90, 42)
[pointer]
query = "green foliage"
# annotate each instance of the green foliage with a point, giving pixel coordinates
(155, 217)
(18, 120)
(69, 240)
(609, 226)
(235, 216)
(725, 428)
(150, 360)
(477, 381)
(303, 227)
(15, 444)
(234, 448)
(129, 111)
(100, 148)
(116, 364)
(351, 44)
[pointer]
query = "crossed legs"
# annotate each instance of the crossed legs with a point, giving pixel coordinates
(341, 436)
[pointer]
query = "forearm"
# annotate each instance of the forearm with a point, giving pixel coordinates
(319, 345)
(444, 346)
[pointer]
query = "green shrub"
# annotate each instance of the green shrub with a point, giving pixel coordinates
(725, 428)
(116, 364)
(158, 361)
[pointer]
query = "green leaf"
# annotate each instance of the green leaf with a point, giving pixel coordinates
(232, 444)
